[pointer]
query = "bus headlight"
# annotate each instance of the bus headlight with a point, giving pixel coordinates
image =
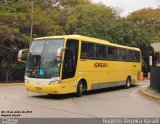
(54, 82)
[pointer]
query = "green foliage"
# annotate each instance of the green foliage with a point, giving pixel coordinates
(157, 37)
(149, 19)
(93, 23)
(25, 55)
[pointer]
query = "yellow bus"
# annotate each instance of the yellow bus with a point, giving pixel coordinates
(75, 63)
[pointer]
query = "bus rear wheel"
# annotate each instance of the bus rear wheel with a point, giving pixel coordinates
(128, 82)
(80, 89)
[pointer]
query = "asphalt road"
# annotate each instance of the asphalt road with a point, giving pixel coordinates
(110, 102)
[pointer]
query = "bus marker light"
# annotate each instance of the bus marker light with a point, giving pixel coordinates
(58, 57)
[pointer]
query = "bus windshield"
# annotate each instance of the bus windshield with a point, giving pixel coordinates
(42, 58)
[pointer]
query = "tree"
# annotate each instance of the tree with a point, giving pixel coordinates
(93, 23)
(15, 31)
(148, 18)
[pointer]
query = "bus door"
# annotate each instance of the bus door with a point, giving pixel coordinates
(70, 61)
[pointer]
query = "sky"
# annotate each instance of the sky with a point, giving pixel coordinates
(128, 6)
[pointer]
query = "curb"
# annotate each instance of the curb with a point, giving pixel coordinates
(149, 95)
(11, 84)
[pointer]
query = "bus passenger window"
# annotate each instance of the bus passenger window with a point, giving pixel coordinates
(87, 50)
(90, 50)
(111, 53)
(100, 52)
(129, 55)
(121, 54)
(136, 56)
(84, 50)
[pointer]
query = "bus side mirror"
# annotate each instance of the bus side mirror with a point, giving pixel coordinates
(22, 55)
(59, 53)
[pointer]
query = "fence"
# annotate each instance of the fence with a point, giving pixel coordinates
(16, 76)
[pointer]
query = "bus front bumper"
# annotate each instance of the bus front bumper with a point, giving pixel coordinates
(49, 89)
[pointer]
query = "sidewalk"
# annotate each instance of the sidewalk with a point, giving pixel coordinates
(147, 91)
(11, 84)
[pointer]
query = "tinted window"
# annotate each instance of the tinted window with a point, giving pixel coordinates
(120, 54)
(136, 56)
(90, 50)
(84, 50)
(111, 52)
(87, 50)
(70, 59)
(129, 55)
(100, 51)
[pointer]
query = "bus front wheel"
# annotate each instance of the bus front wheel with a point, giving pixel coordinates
(79, 89)
(128, 82)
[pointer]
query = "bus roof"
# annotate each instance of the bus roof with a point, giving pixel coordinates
(89, 39)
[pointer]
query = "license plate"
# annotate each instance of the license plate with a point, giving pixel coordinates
(38, 88)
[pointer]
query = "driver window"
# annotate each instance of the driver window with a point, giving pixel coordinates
(70, 59)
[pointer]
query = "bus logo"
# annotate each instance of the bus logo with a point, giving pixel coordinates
(100, 65)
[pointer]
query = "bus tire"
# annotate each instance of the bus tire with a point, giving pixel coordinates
(80, 89)
(128, 82)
